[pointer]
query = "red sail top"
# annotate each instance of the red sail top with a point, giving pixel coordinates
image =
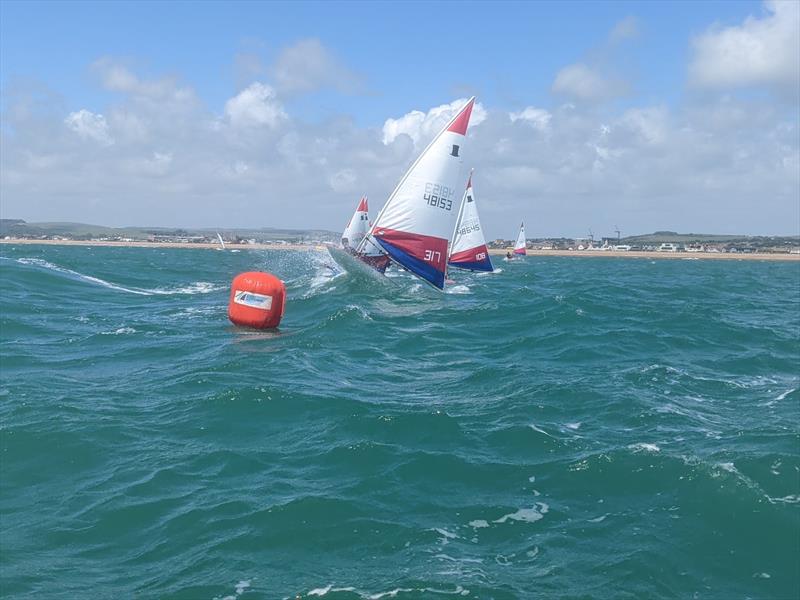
(460, 123)
(362, 206)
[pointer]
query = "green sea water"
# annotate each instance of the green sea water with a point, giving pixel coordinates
(565, 428)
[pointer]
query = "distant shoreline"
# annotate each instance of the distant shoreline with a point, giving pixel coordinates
(492, 251)
(187, 246)
(655, 254)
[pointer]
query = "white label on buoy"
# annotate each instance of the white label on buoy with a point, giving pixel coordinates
(253, 299)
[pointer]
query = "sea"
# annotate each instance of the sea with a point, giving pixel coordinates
(562, 428)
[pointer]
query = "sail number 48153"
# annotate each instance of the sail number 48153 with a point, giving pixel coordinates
(439, 196)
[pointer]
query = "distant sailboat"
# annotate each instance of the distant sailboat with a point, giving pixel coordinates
(520, 248)
(415, 224)
(468, 250)
(221, 243)
(353, 238)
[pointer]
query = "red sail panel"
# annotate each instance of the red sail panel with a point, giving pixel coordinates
(472, 255)
(423, 255)
(461, 122)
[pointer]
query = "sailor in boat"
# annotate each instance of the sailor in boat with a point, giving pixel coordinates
(508, 256)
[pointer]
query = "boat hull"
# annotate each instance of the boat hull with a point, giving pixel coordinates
(363, 265)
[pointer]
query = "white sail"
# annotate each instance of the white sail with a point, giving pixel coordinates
(468, 250)
(521, 246)
(416, 222)
(355, 239)
(358, 226)
(219, 237)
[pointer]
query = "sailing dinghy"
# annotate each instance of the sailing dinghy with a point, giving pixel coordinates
(520, 248)
(353, 238)
(468, 250)
(414, 226)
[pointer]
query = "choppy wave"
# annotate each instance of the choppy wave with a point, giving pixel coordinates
(629, 422)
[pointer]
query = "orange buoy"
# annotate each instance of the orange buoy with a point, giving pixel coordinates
(257, 300)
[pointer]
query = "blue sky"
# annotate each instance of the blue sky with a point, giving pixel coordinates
(343, 69)
(409, 53)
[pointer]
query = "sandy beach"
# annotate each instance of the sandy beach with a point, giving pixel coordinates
(493, 251)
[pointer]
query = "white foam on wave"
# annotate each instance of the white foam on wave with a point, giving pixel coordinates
(390, 594)
(38, 262)
(240, 589)
(478, 524)
(573, 426)
(321, 591)
(458, 289)
(527, 515)
(198, 287)
(242, 586)
(326, 271)
(599, 519)
(120, 331)
(535, 428)
(328, 589)
(791, 499)
(785, 394)
(446, 535)
(644, 447)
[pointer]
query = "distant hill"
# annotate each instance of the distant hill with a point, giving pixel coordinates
(684, 238)
(660, 237)
(83, 231)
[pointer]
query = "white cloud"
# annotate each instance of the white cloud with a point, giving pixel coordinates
(728, 165)
(343, 181)
(89, 126)
(650, 124)
(255, 105)
(759, 52)
(538, 118)
(308, 66)
(118, 78)
(157, 164)
(127, 125)
(584, 83)
(595, 78)
(422, 126)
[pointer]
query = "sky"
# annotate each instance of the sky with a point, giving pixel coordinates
(591, 116)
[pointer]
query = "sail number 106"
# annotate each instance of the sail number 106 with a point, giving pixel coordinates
(439, 196)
